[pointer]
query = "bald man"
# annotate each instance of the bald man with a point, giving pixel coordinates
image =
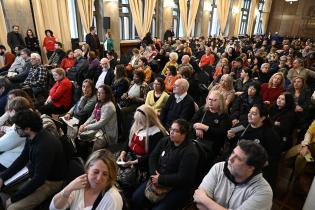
(104, 75)
(179, 105)
(80, 69)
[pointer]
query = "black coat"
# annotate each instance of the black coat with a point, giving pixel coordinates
(177, 165)
(14, 40)
(109, 78)
(171, 111)
(218, 124)
(93, 41)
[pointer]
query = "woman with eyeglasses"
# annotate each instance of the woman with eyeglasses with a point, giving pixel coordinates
(157, 97)
(211, 122)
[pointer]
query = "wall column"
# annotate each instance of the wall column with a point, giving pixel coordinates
(167, 20)
(111, 9)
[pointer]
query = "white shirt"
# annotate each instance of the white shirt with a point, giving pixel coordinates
(179, 98)
(111, 201)
(100, 80)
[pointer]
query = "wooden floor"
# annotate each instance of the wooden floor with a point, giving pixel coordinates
(287, 195)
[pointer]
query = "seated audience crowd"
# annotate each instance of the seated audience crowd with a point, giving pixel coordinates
(201, 121)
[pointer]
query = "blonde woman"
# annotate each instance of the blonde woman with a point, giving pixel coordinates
(270, 91)
(93, 190)
(145, 133)
(211, 122)
(225, 87)
(173, 56)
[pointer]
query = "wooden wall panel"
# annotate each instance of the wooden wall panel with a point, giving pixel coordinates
(18, 13)
(297, 19)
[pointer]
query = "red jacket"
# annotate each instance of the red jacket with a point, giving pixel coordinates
(207, 60)
(67, 63)
(8, 60)
(61, 93)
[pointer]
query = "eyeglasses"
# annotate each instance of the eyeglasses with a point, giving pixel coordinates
(175, 130)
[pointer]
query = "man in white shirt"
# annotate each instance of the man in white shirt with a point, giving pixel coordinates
(106, 76)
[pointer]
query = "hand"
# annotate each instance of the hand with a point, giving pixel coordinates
(8, 203)
(277, 123)
(230, 134)
(201, 198)
(199, 134)
(155, 178)
(122, 156)
(78, 183)
(235, 122)
(82, 128)
(48, 100)
(67, 116)
(304, 151)
(298, 108)
(124, 96)
(200, 126)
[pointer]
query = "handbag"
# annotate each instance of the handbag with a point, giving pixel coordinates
(100, 139)
(155, 193)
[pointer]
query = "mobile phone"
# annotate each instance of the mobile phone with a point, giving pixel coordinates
(308, 157)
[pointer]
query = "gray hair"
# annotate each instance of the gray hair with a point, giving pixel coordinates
(37, 56)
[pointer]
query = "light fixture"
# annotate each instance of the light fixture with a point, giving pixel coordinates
(291, 1)
(235, 10)
(207, 6)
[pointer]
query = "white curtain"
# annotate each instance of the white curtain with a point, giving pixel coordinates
(223, 13)
(265, 15)
(52, 15)
(252, 17)
(86, 13)
(142, 21)
(188, 23)
(3, 34)
(238, 18)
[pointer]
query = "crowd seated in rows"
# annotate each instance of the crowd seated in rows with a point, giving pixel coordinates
(209, 92)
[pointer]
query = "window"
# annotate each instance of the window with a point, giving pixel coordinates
(258, 24)
(154, 24)
(176, 19)
(213, 25)
(73, 19)
(126, 25)
(244, 16)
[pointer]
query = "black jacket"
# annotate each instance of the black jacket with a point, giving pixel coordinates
(14, 40)
(242, 105)
(79, 71)
(93, 42)
(184, 109)
(109, 78)
(218, 124)
(177, 165)
(45, 160)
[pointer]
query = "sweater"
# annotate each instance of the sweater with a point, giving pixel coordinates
(44, 159)
(254, 194)
(61, 93)
(159, 104)
(11, 146)
(174, 163)
(107, 123)
(111, 200)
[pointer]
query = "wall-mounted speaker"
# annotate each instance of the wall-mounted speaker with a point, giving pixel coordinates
(106, 22)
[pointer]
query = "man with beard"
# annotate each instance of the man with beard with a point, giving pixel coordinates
(15, 39)
(237, 183)
(44, 158)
